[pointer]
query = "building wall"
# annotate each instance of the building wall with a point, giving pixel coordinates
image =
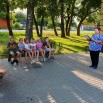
(3, 23)
(101, 22)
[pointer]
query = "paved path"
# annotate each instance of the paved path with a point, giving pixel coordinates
(67, 79)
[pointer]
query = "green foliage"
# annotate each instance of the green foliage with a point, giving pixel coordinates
(20, 17)
(94, 18)
(2, 15)
(16, 25)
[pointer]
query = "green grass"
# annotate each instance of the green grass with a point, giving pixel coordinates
(63, 45)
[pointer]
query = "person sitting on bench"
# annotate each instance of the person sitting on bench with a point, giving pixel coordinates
(13, 51)
(48, 48)
(21, 47)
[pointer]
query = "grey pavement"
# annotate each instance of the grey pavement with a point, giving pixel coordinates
(67, 79)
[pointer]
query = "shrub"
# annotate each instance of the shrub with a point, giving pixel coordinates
(16, 25)
(58, 28)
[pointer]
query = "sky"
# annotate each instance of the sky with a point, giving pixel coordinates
(19, 10)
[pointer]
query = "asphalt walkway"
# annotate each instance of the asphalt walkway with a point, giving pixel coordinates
(67, 79)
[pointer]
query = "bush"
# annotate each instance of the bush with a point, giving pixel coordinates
(50, 26)
(58, 28)
(16, 25)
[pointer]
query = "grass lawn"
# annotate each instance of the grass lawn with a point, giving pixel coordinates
(65, 45)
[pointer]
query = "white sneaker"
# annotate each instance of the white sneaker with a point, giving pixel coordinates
(44, 60)
(31, 62)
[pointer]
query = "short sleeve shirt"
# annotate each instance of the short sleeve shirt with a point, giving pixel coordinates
(45, 44)
(39, 44)
(11, 44)
(27, 46)
(33, 46)
(21, 46)
(96, 46)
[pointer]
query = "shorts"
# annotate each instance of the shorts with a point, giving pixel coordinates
(14, 53)
(48, 49)
(39, 49)
(22, 52)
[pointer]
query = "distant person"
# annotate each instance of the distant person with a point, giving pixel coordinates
(2, 73)
(40, 48)
(33, 47)
(21, 48)
(13, 51)
(95, 47)
(48, 48)
(28, 51)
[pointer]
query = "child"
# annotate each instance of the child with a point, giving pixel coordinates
(40, 48)
(48, 48)
(34, 48)
(13, 50)
(21, 47)
(28, 50)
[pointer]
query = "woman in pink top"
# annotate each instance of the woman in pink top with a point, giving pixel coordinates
(40, 48)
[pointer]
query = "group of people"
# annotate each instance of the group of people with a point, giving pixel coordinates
(29, 48)
(33, 48)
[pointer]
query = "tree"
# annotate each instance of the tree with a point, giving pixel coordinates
(29, 23)
(70, 12)
(93, 19)
(5, 6)
(20, 17)
(52, 5)
(61, 2)
(85, 9)
(41, 12)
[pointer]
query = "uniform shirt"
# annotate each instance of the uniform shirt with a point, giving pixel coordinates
(96, 46)
(21, 46)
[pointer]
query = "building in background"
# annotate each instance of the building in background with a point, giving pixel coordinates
(3, 24)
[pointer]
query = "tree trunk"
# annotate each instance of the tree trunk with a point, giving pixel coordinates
(71, 18)
(67, 22)
(29, 23)
(79, 25)
(78, 29)
(55, 31)
(70, 23)
(36, 25)
(62, 20)
(41, 26)
(8, 18)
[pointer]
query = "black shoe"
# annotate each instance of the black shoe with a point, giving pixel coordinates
(9, 60)
(52, 57)
(91, 66)
(94, 67)
(16, 61)
(13, 62)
